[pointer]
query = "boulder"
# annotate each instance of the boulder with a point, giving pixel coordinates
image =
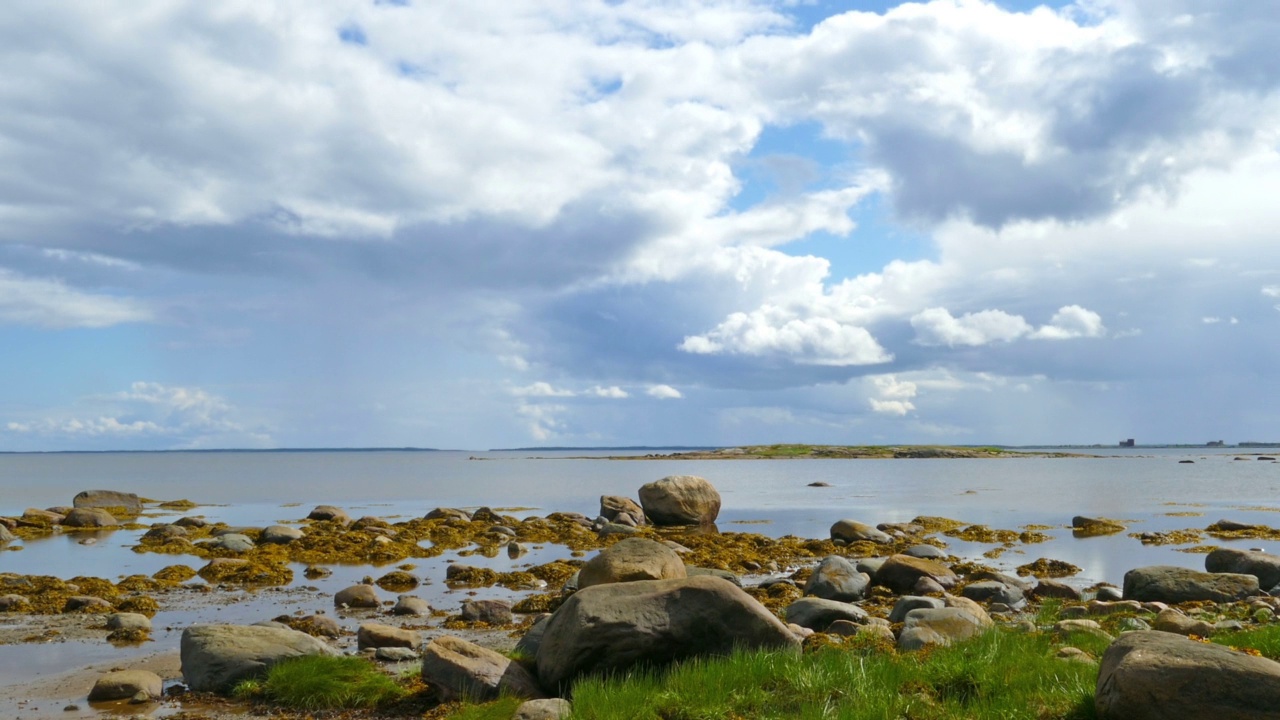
(691, 571)
(1172, 584)
(86, 603)
(36, 515)
(1065, 629)
(329, 512)
(458, 670)
(128, 621)
(165, 532)
(126, 684)
(1082, 526)
(377, 635)
(411, 605)
(900, 572)
(836, 579)
(88, 517)
(394, 654)
(448, 514)
(108, 499)
(1056, 589)
(1264, 566)
(928, 552)
(492, 612)
(1158, 676)
(616, 508)
(233, 542)
(818, 614)
(356, 596)
(680, 500)
(216, 657)
(13, 602)
(617, 626)
(279, 534)
(852, 531)
(930, 626)
(528, 644)
(629, 560)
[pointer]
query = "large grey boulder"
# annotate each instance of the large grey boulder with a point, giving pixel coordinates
(630, 560)
(1172, 584)
(852, 531)
(900, 573)
(108, 499)
(331, 513)
(1156, 675)
(89, 518)
(653, 622)
(1264, 566)
(680, 500)
(939, 626)
(907, 603)
(818, 614)
(458, 670)
(836, 579)
(216, 657)
(126, 684)
(279, 535)
(233, 542)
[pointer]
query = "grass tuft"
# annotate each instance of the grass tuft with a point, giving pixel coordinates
(320, 682)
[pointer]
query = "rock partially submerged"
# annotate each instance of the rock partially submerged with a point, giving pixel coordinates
(129, 502)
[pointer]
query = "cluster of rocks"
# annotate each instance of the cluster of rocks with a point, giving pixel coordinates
(89, 510)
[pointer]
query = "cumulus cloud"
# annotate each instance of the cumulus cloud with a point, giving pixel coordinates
(613, 392)
(936, 326)
(894, 396)
(542, 389)
(812, 340)
(1071, 322)
(663, 392)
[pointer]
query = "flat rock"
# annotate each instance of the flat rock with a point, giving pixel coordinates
(629, 560)
(1162, 676)
(108, 499)
(836, 579)
(457, 670)
(1172, 584)
(395, 654)
(126, 684)
(680, 500)
(378, 635)
(216, 657)
(618, 626)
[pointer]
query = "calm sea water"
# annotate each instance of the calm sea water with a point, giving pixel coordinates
(1141, 487)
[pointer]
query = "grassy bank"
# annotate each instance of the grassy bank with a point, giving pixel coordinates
(1002, 675)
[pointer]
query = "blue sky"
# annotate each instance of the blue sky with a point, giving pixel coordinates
(473, 225)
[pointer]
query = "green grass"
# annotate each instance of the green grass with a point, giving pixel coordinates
(1266, 640)
(318, 682)
(999, 675)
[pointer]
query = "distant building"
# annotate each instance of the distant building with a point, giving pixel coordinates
(1127, 443)
(1215, 443)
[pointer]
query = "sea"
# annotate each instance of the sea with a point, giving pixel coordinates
(1147, 489)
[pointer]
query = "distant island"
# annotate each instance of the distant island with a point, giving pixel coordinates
(797, 452)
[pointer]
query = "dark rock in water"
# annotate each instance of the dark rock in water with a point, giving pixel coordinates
(680, 500)
(1233, 526)
(108, 499)
(619, 626)
(819, 484)
(1082, 526)
(1161, 676)
(1171, 584)
(1186, 462)
(85, 517)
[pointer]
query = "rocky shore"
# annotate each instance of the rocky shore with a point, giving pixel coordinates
(646, 582)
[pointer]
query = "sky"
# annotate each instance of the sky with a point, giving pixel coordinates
(503, 223)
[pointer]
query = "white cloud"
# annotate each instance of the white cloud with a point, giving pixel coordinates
(542, 389)
(768, 331)
(1271, 291)
(542, 421)
(663, 392)
(50, 303)
(1071, 322)
(894, 395)
(936, 326)
(612, 392)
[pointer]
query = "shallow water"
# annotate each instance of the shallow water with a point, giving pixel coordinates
(1141, 488)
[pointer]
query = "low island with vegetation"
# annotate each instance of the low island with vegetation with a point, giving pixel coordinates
(796, 451)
